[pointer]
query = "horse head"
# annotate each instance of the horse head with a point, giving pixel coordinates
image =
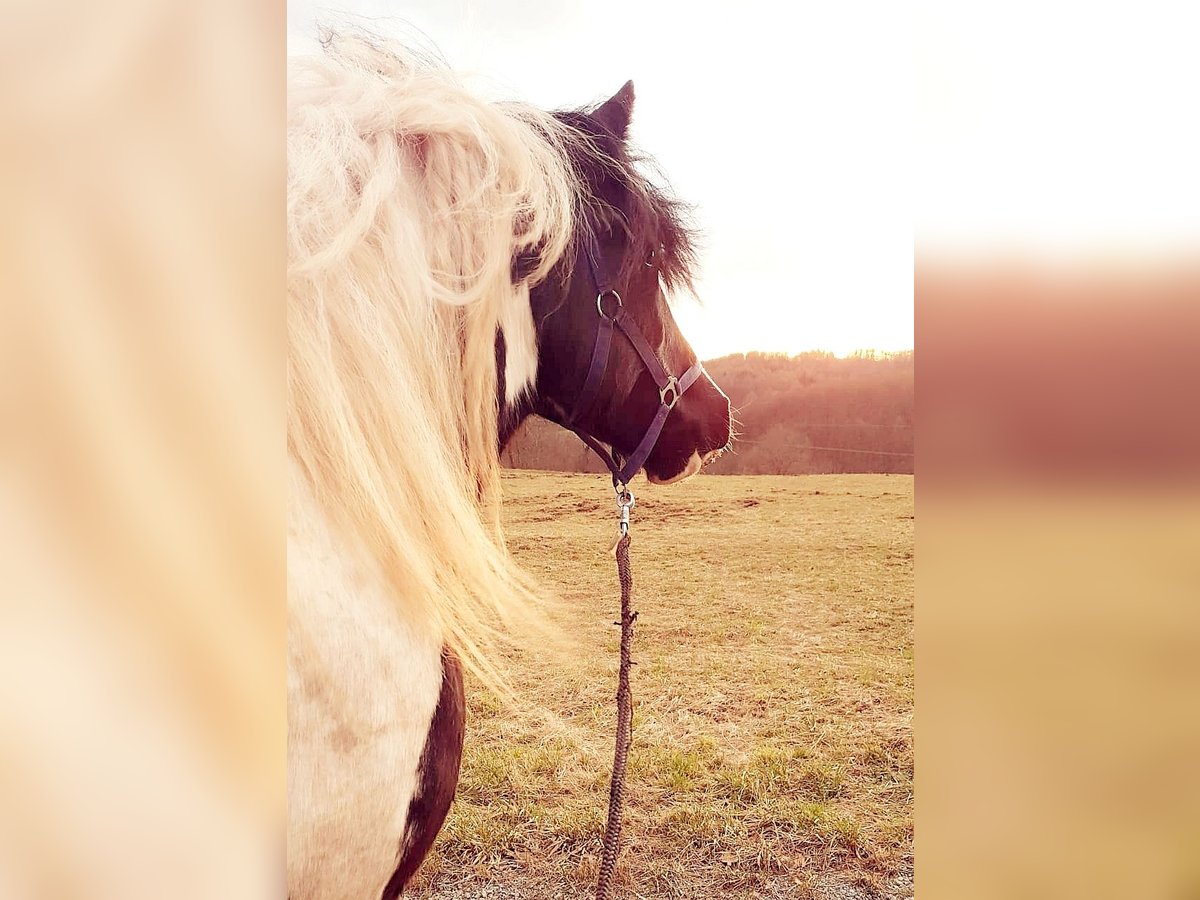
(632, 247)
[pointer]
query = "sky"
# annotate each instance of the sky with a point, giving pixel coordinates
(1057, 129)
(823, 144)
(788, 135)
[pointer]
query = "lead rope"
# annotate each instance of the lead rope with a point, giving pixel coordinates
(616, 789)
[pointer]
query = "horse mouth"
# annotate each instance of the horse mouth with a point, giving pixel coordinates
(690, 468)
(695, 463)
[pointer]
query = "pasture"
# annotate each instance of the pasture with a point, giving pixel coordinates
(772, 752)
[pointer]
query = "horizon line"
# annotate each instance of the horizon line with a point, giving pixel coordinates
(815, 350)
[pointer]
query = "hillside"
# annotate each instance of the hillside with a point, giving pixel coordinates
(807, 414)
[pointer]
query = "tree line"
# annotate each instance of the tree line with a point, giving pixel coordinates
(809, 413)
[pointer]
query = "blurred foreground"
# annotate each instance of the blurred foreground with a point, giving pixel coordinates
(1058, 638)
(142, 453)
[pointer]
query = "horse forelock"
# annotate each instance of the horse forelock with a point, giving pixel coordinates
(625, 189)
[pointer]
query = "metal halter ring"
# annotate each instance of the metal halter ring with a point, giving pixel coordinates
(672, 386)
(600, 303)
(624, 495)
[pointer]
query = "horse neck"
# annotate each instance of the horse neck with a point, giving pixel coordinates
(512, 417)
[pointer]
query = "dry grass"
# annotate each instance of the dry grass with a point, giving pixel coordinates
(773, 728)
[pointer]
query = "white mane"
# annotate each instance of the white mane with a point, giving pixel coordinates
(408, 199)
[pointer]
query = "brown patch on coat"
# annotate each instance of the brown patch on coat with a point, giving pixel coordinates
(437, 776)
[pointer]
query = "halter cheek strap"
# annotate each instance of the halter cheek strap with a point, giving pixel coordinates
(612, 313)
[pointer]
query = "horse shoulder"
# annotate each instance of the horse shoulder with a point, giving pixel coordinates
(363, 686)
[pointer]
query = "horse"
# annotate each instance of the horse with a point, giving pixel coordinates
(454, 266)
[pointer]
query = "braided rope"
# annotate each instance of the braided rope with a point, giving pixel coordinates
(616, 791)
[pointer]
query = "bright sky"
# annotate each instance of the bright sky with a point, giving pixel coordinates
(788, 129)
(816, 138)
(1065, 129)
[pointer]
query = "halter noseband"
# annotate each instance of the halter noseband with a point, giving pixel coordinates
(611, 311)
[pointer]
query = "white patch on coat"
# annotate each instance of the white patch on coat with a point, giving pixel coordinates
(520, 347)
(691, 468)
(362, 689)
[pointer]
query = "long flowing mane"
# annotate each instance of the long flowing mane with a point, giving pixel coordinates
(408, 200)
(411, 203)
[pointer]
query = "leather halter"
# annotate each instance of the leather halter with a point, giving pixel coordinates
(611, 312)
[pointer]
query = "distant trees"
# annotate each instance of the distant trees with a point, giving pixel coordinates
(796, 414)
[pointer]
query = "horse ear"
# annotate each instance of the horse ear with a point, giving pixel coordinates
(614, 114)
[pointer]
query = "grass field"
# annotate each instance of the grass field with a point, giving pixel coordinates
(772, 752)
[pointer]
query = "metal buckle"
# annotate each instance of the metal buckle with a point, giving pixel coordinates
(625, 503)
(600, 303)
(672, 386)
